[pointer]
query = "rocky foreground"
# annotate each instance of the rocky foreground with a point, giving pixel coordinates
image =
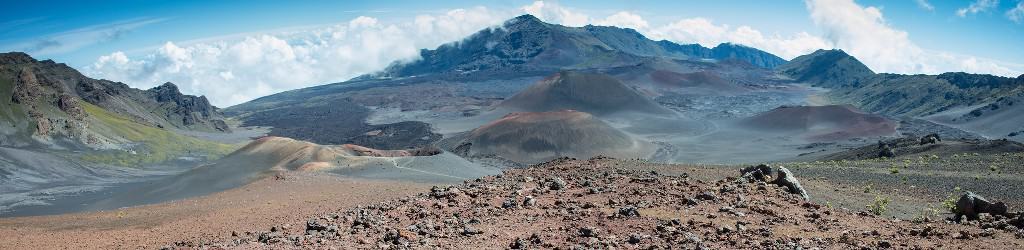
(607, 203)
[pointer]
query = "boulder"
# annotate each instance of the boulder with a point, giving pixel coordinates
(971, 204)
(887, 152)
(930, 139)
(787, 179)
(756, 173)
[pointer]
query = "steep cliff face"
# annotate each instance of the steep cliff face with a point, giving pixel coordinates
(190, 111)
(163, 106)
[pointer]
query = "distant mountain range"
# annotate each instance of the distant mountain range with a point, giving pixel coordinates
(527, 44)
(476, 72)
(967, 96)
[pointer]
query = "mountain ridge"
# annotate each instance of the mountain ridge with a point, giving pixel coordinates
(527, 43)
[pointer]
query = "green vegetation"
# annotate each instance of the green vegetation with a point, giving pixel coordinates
(880, 206)
(157, 145)
(927, 215)
(950, 202)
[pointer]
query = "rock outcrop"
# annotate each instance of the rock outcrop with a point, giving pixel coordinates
(971, 204)
(788, 180)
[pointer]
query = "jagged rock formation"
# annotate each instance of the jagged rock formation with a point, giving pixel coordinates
(56, 84)
(192, 111)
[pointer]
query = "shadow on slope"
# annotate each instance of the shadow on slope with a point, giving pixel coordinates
(536, 137)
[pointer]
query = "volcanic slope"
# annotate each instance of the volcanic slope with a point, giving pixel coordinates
(1001, 118)
(822, 123)
(467, 78)
(593, 93)
(62, 133)
(533, 137)
(973, 102)
(269, 156)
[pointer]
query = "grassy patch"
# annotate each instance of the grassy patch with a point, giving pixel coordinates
(157, 145)
(9, 112)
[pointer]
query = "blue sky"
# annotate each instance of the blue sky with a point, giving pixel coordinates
(145, 43)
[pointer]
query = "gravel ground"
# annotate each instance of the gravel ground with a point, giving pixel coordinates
(259, 205)
(606, 203)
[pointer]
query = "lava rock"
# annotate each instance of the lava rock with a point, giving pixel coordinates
(971, 204)
(557, 184)
(787, 179)
(756, 173)
(629, 212)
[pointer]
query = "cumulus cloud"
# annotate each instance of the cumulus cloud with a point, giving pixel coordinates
(624, 19)
(232, 71)
(925, 5)
(977, 6)
(706, 33)
(864, 33)
(696, 30)
(555, 13)
(1017, 13)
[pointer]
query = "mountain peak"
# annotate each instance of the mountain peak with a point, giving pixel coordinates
(15, 57)
(525, 22)
(167, 85)
(526, 18)
(832, 67)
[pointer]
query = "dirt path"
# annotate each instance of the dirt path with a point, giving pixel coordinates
(254, 207)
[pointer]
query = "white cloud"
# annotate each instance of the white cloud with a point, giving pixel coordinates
(76, 39)
(923, 4)
(624, 19)
(236, 70)
(977, 6)
(1017, 13)
(864, 33)
(555, 13)
(706, 33)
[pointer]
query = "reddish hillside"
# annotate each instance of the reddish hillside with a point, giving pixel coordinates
(597, 94)
(822, 123)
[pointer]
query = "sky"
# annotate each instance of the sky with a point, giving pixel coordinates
(235, 51)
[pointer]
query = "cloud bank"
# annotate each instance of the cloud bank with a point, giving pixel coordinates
(864, 33)
(235, 69)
